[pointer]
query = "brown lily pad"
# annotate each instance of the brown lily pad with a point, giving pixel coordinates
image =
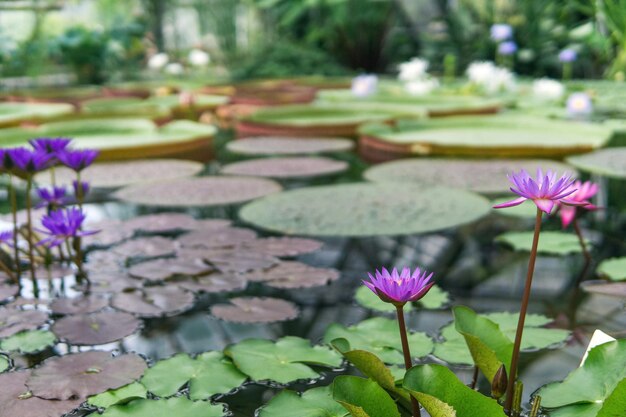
(16, 399)
(255, 310)
(14, 320)
(112, 283)
(283, 246)
(162, 269)
(95, 328)
(79, 375)
(214, 283)
(203, 191)
(79, 305)
(161, 223)
(613, 289)
(286, 167)
(154, 301)
(146, 247)
(218, 238)
(291, 274)
(120, 174)
(8, 291)
(289, 146)
(212, 224)
(238, 260)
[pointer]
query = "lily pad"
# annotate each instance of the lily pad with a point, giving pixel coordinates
(286, 167)
(214, 283)
(292, 274)
(145, 247)
(435, 299)
(380, 336)
(161, 223)
(551, 243)
(289, 146)
(13, 113)
(178, 406)
(612, 289)
(210, 373)
(283, 246)
(13, 320)
(237, 260)
(203, 191)
(365, 210)
(608, 162)
(120, 395)
(8, 291)
(79, 305)
(95, 328)
(111, 233)
(154, 301)
(215, 239)
(488, 176)
(5, 363)
(255, 310)
(316, 402)
(363, 397)
(80, 375)
(613, 269)
(526, 210)
(162, 269)
(282, 361)
(30, 341)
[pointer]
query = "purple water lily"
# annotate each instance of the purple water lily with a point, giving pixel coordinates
(54, 197)
(584, 191)
(567, 55)
(77, 159)
(501, 32)
(50, 145)
(83, 190)
(399, 288)
(507, 48)
(6, 237)
(61, 225)
(545, 191)
(28, 162)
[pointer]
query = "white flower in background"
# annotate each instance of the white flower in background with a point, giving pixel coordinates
(547, 89)
(198, 58)
(500, 32)
(579, 105)
(413, 70)
(174, 68)
(364, 85)
(421, 87)
(491, 78)
(158, 61)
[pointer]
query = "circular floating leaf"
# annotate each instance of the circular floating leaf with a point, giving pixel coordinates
(283, 246)
(487, 176)
(613, 269)
(5, 363)
(237, 260)
(613, 289)
(16, 399)
(13, 320)
(289, 146)
(8, 291)
(14, 113)
(294, 167)
(178, 406)
(146, 247)
(203, 191)
(28, 342)
(106, 283)
(608, 162)
(111, 233)
(118, 396)
(161, 223)
(162, 269)
(214, 283)
(436, 298)
(552, 243)
(95, 328)
(291, 274)
(316, 402)
(365, 210)
(154, 301)
(282, 361)
(80, 375)
(120, 174)
(208, 374)
(79, 305)
(255, 310)
(381, 337)
(214, 239)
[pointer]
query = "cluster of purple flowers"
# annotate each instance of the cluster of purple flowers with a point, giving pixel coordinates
(502, 34)
(61, 225)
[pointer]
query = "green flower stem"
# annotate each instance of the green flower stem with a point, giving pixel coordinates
(16, 254)
(408, 363)
(79, 191)
(583, 245)
(31, 257)
(81, 276)
(567, 71)
(522, 316)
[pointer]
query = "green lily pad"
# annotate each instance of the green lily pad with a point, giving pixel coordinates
(435, 299)
(597, 387)
(380, 336)
(32, 341)
(443, 395)
(363, 397)
(14, 113)
(178, 406)
(208, 374)
(316, 402)
(289, 146)
(5, 363)
(120, 395)
(365, 210)
(551, 243)
(282, 361)
(526, 210)
(613, 269)
(124, 107)
(286, 167)
(608, 162)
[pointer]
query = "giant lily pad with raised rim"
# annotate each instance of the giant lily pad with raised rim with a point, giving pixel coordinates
(365, 210)
(608, 162)
(203, 191)
(316, 402)
(95, 328)
(255, 310)
(178, 406)
(286, 167)
(289, 146)
(550, 242)
(13, 113)
(488, 176)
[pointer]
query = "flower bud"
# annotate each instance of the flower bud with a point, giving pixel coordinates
(499, 383)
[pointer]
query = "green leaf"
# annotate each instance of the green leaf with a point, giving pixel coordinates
(120, 395)
(435, 299)
(613, 269)
(552, 243)
(595, 382)
(607, 162)
(283, 361)
(363, 397)
(316, 402)
(4, 363)
(380, 336)
(208, 374)
(443, 395)
(177, 406)
(31, 341)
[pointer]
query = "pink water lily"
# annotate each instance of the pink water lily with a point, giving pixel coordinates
(584, 191)
(545, 190)
(399, 288)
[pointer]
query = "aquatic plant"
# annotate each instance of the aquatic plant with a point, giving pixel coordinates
(500, 32)
(52, 198)
(566, 57)
(364, 85)
(579, 106)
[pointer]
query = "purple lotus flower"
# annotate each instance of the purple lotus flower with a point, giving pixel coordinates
(567, 55)
(54, 197)
(501, 32)
(27, 161)
(545, 191)
(364, 85)
(6, 237)
(61, 225)
(507, 48)
(399, 288)
(77, 159)
(50, 145)
(84, 188)
(584, 191)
